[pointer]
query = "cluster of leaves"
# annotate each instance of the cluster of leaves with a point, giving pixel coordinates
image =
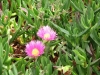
(76, 51)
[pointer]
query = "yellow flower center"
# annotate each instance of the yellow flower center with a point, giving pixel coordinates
(46, 36)
(35, 52)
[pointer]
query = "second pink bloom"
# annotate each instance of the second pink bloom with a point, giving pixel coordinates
(46, 33)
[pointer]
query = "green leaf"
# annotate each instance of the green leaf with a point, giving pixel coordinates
(1, 64)
(1, 51)
(61, 29)
(26, 17)
(55, 72)
(83, 22)
(49, 69)
(27, 72)
(95, 37)
(81, 57)
(73, 73)
(19, 3)
(62, 59)
(67, 68)
(5, 72)
(15, 35)
(14, 69)
(95, 61)
(35, 70)
(44, 3)
(89, 16)
(10, 72)
(89, 69)
(6, 52)
(96, 70)
(80, 70)
(66, 4)
(81, 51)
(97, 10)
(67, 59)
(83, 32)
(44, 61)
(23, 68)
(75, 6)
(77, 60)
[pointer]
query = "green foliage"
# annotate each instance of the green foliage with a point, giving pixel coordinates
(76, 50)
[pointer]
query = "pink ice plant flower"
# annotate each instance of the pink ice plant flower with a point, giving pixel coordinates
(46, 33)
(34, 48)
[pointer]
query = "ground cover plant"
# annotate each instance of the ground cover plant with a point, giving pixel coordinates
(49, 37)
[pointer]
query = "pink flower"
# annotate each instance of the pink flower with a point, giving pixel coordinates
(35, 48)
(46, 33)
